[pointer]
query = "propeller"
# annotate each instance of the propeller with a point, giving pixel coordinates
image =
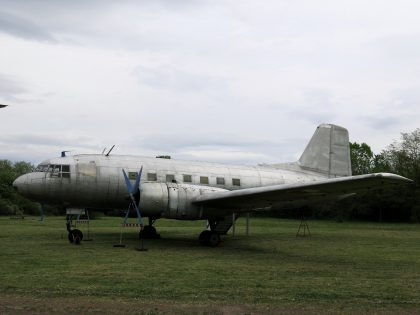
(134, 193)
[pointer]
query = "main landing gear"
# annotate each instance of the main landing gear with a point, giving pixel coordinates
(210, 237)
(149, 231)
(75, 235)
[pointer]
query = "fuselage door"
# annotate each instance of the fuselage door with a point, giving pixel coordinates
(173, 199)
(86, 179)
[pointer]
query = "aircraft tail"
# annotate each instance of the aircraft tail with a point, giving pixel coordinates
(328, 152)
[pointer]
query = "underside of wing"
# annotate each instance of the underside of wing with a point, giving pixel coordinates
(299, 193)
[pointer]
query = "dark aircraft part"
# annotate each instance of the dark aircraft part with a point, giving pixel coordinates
(75, 236)
(70, 237)
(209, 238)
(149, 232)
(204, 236)
(134, 193)
(109, 152)
(213, 239)
(78, 236)
(68, 226)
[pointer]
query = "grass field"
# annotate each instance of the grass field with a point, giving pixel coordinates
(342, 268)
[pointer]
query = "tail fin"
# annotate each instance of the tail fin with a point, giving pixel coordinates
(328, 152)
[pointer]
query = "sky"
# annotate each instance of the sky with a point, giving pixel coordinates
(226, 81)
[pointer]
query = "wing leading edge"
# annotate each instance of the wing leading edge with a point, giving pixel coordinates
(300, 193)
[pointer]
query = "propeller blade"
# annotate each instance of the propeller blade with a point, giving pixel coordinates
(128, 183)
(134, 192)
(140, 219)
(137, 184)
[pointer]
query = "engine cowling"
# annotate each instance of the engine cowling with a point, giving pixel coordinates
(172, 200)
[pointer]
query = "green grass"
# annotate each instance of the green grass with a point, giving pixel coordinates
(342, 268)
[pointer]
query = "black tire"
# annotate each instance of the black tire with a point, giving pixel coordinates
(149, 232)
(78, 236)
(70, 237)
(213, 239)
(204, 237)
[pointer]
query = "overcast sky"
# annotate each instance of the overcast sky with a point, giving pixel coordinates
(225, 81)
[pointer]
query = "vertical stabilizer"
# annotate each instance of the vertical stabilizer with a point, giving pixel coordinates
(328, 152)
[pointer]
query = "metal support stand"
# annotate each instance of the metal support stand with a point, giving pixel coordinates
(120, 244)
(304, 227)
(141, 242)
(42, 214)
(233, 224)
(138, 224)
(88, 225)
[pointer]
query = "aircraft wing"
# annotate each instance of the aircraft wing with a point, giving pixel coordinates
(299, 193)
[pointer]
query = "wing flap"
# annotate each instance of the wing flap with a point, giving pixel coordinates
(300, 193)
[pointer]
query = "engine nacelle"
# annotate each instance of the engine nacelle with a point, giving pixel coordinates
(171, 200)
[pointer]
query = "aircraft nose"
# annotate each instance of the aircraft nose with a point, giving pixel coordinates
(19, 183)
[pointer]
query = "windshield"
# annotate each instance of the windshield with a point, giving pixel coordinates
(41, 168)
(55, 170)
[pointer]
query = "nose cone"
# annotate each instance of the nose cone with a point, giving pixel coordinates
(20, 183)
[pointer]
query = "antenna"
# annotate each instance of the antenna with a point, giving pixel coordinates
(103, 151)
(110, 150)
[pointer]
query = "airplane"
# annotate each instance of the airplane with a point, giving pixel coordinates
(191, 190)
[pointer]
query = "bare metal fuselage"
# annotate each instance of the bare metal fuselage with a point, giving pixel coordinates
(96, 181)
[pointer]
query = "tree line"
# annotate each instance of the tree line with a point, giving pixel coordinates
(402, 157)
(11, 203)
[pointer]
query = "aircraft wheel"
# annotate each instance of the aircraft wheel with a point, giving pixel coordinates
(149, 232)
(70, 237)
(209, 238)
(204, 236)
(78, 236)
(213, 239)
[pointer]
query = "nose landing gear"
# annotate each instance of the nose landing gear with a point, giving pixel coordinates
(75, 235)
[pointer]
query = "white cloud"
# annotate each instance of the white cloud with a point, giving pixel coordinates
(197, 79)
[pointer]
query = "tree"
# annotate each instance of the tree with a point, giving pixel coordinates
(403, 157)
(361, 158)
(10, 201)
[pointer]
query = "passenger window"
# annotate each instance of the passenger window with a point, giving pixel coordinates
(236, 182)
(170, 178)
(220, 181)
(204, 180)
(187, 179)
(151, 177)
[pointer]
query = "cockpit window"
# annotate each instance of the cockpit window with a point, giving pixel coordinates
(55, 170)
(41, 168)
